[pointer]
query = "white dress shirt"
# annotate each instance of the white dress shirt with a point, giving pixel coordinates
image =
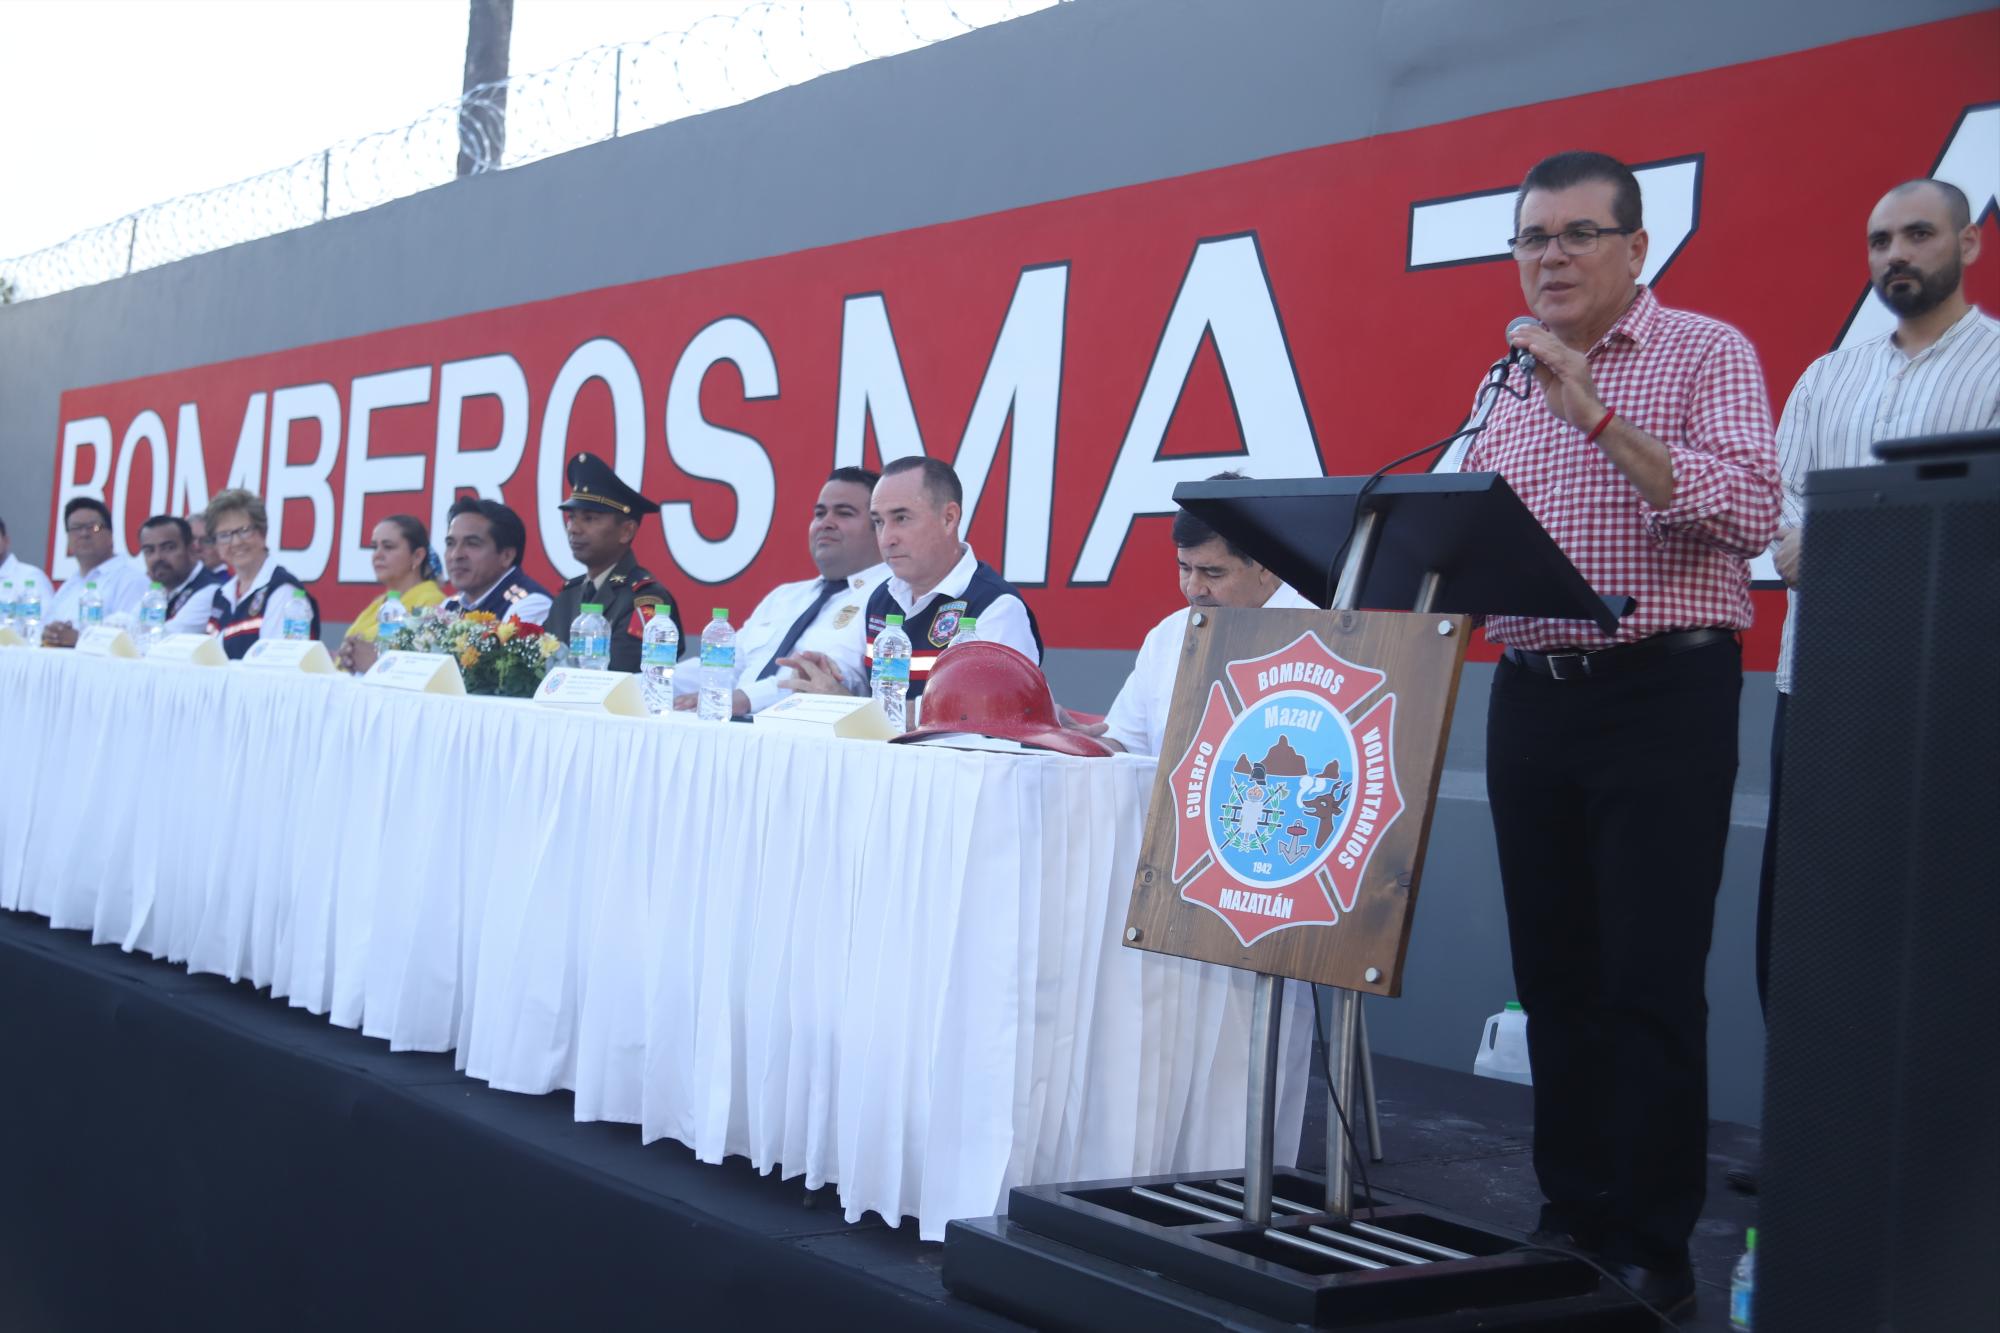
(1138, 716)
(192, 618)
(20, 573)
(1849, 400)
(833, 631)
(1005, 620)
(120, 581)
(273, 619)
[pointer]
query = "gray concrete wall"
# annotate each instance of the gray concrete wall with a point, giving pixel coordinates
(1084, 97)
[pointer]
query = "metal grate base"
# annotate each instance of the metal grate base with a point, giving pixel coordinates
(1395, 1261)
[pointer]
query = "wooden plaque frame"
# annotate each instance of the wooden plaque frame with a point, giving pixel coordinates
(1392, 679)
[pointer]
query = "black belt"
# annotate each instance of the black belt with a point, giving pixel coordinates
(1594, 663)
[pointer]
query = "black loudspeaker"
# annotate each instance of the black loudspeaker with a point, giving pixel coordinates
(1881, 1188)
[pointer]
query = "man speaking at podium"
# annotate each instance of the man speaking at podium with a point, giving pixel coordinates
(1644, 446)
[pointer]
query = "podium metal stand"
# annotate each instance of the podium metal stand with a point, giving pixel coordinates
(1435, 542)
(1278, 1246)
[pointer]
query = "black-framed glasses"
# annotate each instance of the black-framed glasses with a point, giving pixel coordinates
(84, 529)
(1578, 240)
(230, 535)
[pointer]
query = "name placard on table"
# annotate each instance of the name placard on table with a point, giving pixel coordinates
(845, 715)
(593, 691)
(419, 673)
(308, 655)
(189, 650)
(106, 641)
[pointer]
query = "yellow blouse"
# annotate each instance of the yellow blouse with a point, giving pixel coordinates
(424, 594)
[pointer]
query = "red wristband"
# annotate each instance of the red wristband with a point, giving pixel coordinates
(1598, 429)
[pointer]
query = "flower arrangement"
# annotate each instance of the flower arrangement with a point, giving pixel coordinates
(502, 657)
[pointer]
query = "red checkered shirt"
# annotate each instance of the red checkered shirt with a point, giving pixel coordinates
(1694, 385)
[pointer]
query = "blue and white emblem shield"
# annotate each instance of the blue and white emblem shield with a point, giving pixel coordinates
(945, 623)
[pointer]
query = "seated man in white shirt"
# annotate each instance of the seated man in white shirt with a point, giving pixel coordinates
(21, 574)
(1213, 573)
(118, 579)
(819, 616)
(166, 544)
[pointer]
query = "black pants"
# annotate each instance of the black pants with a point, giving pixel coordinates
(1768, 875)
(1610, 801)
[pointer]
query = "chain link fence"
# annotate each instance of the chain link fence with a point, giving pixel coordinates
(719, 61)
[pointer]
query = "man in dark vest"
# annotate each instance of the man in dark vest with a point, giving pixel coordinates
(166, 544)
(601, 519)
(935, 581)
(482, 554)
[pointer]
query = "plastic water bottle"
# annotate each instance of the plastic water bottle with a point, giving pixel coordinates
(718, 669)
(28, 613)
(298, 621)
(90, 606)
(890, 677)
(1503, 1047)
(391, 616)
(7, 604)
(967, 631)
(1743, 1283)
(152, 618)
(590, 639)
(658, 652)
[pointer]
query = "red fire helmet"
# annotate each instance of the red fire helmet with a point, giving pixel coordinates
(989, 689)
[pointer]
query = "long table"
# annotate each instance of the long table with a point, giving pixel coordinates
(896, 969)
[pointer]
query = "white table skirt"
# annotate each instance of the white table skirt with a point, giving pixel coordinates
(892, 968)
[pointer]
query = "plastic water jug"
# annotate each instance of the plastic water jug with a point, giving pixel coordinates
(1503, 1046)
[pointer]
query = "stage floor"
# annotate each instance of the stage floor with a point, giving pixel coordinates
(178, 1143)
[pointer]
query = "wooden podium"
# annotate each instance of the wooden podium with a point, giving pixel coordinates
(1286, 836)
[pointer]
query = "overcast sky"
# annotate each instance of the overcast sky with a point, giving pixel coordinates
(109, 105)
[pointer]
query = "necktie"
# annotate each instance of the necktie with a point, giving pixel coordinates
(827, 588)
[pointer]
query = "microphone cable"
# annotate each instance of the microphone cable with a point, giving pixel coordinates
(1346, 1129)
(1495, 382)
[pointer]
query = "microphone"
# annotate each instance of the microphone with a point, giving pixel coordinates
(1521, 354)
(1482, 408)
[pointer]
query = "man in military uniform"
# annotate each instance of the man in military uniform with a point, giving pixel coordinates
(601, 519)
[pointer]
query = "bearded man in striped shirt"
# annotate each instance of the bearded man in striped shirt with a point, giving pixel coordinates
(1643, 444)
(1936, 373)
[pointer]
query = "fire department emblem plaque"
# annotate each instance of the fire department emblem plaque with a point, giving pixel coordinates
(1293, 796)
(1284, 796)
